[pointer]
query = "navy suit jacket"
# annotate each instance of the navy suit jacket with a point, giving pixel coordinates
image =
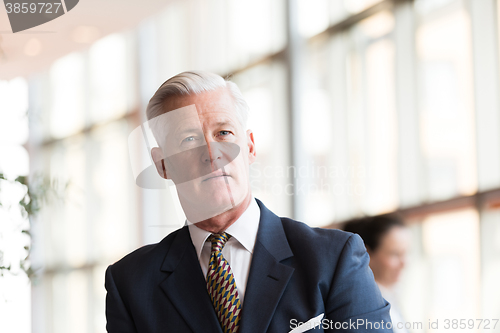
(297, 273)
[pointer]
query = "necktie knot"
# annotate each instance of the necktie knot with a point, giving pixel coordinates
(218, 241)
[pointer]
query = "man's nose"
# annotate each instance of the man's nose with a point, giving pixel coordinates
(212, 153)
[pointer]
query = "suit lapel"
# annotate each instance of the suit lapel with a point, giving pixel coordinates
(185, 286)
(268, 277)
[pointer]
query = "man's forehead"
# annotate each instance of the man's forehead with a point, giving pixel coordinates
(172, 120)
(180, 115)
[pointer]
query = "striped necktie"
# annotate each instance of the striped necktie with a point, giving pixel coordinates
(222, 287)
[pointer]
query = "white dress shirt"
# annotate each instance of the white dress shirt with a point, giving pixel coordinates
(238, 249)
(398, 321)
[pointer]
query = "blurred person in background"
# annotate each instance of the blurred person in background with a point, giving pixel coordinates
(386, 239)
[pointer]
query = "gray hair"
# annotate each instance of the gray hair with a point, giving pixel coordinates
(195, 82)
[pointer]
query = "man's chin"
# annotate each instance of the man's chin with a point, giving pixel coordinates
(205, 210)
(206, 199)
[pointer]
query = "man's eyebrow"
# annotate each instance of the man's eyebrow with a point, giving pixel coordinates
(187, 130)
(224, 123)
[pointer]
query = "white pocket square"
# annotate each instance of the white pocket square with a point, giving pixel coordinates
(308, 325)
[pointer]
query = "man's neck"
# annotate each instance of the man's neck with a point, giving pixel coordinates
(220, 223)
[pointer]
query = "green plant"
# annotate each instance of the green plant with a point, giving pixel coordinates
(20, 200)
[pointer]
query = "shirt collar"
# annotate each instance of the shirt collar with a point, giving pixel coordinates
(244, 229)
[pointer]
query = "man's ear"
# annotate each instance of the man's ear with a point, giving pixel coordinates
(157, 155)
(252, 153)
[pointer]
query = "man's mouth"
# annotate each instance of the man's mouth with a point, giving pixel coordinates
(218, 175)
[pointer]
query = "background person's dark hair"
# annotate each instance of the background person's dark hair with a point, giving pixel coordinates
(373, 228)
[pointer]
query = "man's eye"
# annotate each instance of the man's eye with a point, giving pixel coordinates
(188, 139)
(223, 133)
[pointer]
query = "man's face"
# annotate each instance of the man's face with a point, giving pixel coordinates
(207, 153)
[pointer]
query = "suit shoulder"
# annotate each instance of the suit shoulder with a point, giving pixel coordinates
(146, 254)
(300, 232)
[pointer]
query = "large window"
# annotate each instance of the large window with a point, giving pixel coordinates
(349, 127)
(88, 115)
(446, 97)
(363, 107)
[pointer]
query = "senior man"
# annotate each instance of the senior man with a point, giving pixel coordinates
(235, 266)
